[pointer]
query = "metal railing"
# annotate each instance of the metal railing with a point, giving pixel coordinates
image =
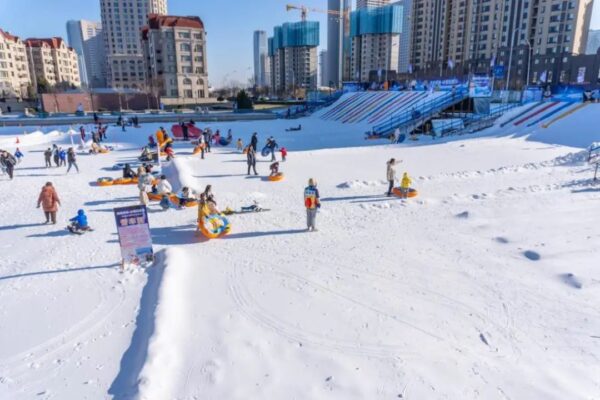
(420, 113)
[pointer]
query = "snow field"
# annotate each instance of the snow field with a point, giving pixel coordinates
(484, 286)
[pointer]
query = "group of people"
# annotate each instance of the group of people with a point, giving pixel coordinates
(61, 157)
(405, 182)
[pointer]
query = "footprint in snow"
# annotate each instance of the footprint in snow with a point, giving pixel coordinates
(464, 215)
(571, 280)
(501, 239)
(532, 255)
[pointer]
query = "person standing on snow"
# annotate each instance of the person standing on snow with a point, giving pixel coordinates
(48, 157)
(405, 185)
(312, 204)
(56, 155)
(272, 145)
(18, 155)
(49, 201)
(254, 141)
(71, 160)
(207, 138)
(251, 159)
(391, 175)
(144, 184)
(62, 155)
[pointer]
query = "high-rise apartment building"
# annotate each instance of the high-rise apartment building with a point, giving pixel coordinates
(122, 21)
(86, 38)
(261, 59)
(533, 37)
(53, 61)
(324, 79)
(338, 41)
(14, 69)
(175, 51)
(370, 3)
(293, 54)
(375, 34)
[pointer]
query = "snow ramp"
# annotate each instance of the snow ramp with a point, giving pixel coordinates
(372, 107)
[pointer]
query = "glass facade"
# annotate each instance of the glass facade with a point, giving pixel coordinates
(294, 34)
(379, 20)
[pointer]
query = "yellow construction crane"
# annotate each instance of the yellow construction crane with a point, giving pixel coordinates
(304, 11)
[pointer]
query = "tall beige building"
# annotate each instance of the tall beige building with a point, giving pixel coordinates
(52, 60)
(458, 37)
(122, 21)
(14, 69)
(175, 51)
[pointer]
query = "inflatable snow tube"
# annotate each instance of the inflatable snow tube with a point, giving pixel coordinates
(104, 151)
(214, 226)
(265, 151)
(154, 196)
(198, 149)
(190, 203)
(275, 178)
(123, 181)
(411, 192)
(104, 181)
(224, 142)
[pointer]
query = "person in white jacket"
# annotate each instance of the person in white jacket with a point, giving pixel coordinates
(144, 184)
(164, 187)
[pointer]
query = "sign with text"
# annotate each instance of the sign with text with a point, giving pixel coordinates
(134, 235)
(480, 86)
(499, 71)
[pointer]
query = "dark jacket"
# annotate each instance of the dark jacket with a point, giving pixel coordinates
(251, 156)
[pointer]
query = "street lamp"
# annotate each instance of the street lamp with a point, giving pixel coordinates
(512, 41)
(529, 56)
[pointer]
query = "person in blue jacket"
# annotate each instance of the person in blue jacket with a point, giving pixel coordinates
(79, 222)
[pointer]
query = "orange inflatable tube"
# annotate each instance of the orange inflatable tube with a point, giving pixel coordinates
(275, 178)
(411, 192)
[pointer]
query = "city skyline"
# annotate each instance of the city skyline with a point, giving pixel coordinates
(230, 46)
(230, 43)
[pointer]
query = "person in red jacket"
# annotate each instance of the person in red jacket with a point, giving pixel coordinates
(283, 153)
(49, 201)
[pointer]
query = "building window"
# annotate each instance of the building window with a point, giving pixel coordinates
(187, 81)
(185, 47)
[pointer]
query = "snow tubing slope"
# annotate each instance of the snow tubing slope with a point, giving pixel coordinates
(373, 107)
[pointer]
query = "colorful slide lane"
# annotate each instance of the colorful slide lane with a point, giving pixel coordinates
(565, 114)
(370, 107)
(357, 106)
(519, 115)
(537, 111)
(405, 101)
(551, 113)
(341, 104)
(354, 100)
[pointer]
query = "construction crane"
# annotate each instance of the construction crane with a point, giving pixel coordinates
(304, 11)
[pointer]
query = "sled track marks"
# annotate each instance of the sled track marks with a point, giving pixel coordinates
(62, 346)
(251, 309)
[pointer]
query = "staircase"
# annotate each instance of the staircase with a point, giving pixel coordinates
(410, 119)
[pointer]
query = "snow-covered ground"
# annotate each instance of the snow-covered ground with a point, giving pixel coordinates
(485, 286)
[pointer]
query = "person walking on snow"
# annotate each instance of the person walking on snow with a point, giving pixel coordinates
(82, 133)
(405, 185)
(8, 161)
(312, 204)
(251, 159)
(71, 160)
(391, 175)
(49, 201)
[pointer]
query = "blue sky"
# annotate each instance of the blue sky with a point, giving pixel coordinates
(229, 24)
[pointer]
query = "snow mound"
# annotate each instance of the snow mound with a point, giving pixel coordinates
(357, 184)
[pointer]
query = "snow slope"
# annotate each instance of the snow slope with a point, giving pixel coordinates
(484, 286)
